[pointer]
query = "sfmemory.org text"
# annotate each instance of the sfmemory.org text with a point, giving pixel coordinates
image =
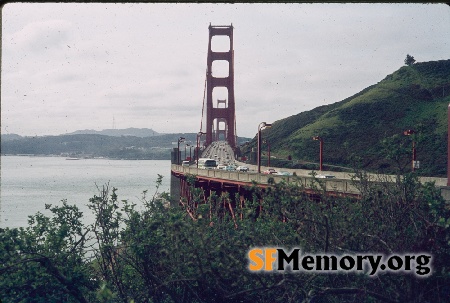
(270, 259)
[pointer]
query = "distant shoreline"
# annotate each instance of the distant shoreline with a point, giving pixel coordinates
(80, 158)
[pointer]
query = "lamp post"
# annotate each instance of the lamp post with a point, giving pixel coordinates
(198, 142)
(261, 126)
(410, 132)
(178, 149)
(190, 152)
(268, 151)
(317, 138)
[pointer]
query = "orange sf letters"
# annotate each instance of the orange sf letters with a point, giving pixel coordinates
(262, 259)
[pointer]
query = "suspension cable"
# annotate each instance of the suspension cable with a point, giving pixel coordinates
(203, 106)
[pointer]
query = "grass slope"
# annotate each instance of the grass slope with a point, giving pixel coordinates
(413, 97)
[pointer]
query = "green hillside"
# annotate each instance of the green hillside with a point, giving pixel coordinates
(366, 130)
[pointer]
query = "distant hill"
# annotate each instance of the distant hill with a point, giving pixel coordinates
(8, 137)
(156, 147)
(136, 132)
(95, 145)
(366, 129)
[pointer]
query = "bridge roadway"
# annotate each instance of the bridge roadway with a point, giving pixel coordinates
(342, 183)
(220, 151)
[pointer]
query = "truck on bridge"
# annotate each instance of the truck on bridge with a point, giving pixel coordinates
(207, 163)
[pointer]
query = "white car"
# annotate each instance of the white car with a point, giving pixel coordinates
(242, 168)
(325, 176)
(221, 166)
(284, 173)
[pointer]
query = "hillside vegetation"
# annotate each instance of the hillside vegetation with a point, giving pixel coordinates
(366, 130)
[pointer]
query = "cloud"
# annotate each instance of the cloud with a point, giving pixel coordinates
(145, 63)
(38, 36)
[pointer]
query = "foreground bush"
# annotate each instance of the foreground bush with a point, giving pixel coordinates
(199, 254)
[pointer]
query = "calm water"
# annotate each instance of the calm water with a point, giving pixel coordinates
(28, 183)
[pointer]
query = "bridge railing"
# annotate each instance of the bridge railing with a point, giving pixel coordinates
(331, 185)
(337, 185)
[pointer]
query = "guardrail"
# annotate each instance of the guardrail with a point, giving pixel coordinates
(337, 185)
(332, 185)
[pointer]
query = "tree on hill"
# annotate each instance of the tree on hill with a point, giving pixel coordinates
(409, 60)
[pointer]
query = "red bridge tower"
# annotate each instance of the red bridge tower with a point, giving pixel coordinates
(220, 115)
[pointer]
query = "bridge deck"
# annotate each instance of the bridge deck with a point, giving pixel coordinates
(247, 178)
(338, 185)
(220, 151)
(225, 154)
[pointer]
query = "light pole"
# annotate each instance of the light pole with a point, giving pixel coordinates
(317, 138)
(178, 149)
(268, 151)
(261, 126)
(190, 155)
(198, 142)
(410, 132)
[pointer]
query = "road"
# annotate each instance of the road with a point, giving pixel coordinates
(220, 151)
(223, 154)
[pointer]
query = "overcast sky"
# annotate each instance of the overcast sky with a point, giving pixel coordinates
(67, 67)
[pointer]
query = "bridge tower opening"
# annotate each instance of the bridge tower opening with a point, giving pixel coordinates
(223, 116)
(221, 124)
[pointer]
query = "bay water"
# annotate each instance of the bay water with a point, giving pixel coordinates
(28, 183)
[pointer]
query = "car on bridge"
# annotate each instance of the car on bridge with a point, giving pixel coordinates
(242, 168)
(230, 168)
(325, 176)
(284, 173)
(270, 171)
(221, 166)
